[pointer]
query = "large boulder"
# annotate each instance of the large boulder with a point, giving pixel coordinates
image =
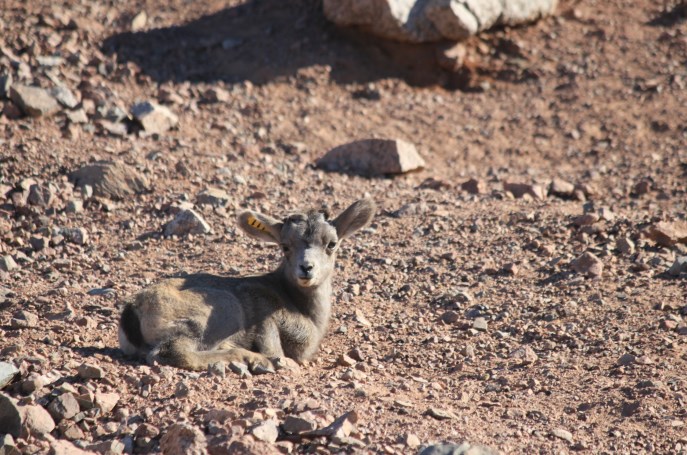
(419, 21)
(370, 157)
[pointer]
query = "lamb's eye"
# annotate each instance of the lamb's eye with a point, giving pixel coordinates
(331, 245)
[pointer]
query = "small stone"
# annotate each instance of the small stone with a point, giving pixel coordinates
(74, 206)
(181, 390)
(33, 101)
(441, 414)
(480, 324)
(629, 408)
(154, 118)
(450, 317)
(360, 318)
(455, 449)
(63, 407)
(5, 83)
(625, 246)
(668, 234)
(88, 371)
(525, 354)
(109, 179)
(412, 441)
(213, 196)
(266, 431)
(216, 95)
(562, 434)
(588, 264)
(561, 188)
(111, 447)
(78, 236)
(7, 264)
(511, 268)
(678, 267)
(61, 447)
(626, 359)
(585, 220)
(139, 21)
(187, 222)
(64, 96)
(106, 402)
(10, 416)
(24, 319)
(77, 116)
(451, 57)
(41, 195)
(8, 372)
(473, 186)
(32, 383)
(38, 242)
(642, 187)
(182, 439)
(218, 369)
(301, 423)
(372, 157)
(519, 190)
(345, 361)
(36, 421)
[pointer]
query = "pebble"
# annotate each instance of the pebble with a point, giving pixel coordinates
(8, 372)
(373, 157)
(525, 354)
(64, 96)
(458, 449)
(62, 447)
(668, 234)
(8, 264)
(218, 369)
(474, 186)
(519, 190)
(33, 101)
(106, 402)
(213, 196)
(36, 421)
(77, 116)
(41, 195)
(562, 434)
(109, 179)
(78, 236)
(182, 439)
(89, 371)
(679, 266)
(441, 414)
(561, 188)
(301, 423)
(266, 431)
(111, 447)
(24, 319)
(345, 361)
(480, 324)
(626, 359)
(154, 118)
(588, 264)
(63, 407)
(625, 246)
(187, 222)
(585, 220)
(239, 368)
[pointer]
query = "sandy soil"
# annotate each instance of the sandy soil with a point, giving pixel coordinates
(594, 96)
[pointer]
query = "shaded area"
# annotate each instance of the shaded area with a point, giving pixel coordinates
(261, 41)
(675, 15)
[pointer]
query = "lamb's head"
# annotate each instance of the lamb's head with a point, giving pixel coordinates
(309, 240)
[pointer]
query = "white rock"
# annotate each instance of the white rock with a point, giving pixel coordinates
(433, 20)
(187, 222)
(7, 373)
(153, 117)
(33, 101)
(373, 157)
(110, 179)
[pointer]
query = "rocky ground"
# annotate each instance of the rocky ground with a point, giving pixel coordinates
(525, 291)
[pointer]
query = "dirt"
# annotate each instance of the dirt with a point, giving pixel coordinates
(461, 314)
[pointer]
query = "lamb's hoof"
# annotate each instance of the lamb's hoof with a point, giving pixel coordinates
(262, 369)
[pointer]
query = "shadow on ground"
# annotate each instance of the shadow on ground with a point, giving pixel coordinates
(264, 40)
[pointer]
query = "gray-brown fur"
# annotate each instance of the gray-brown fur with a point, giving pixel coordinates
(201, 319)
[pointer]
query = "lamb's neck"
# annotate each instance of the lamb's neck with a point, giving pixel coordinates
(314, 302)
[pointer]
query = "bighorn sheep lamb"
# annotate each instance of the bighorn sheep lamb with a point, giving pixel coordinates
(197, 320)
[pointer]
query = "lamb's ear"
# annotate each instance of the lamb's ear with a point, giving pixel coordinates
(357, 216)
(261, 227)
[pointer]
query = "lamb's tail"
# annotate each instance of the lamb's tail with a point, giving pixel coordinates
(130, 336)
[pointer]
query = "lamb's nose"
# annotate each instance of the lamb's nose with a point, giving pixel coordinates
(306, 268)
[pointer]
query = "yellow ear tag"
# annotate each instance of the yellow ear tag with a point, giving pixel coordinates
(256, 224)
